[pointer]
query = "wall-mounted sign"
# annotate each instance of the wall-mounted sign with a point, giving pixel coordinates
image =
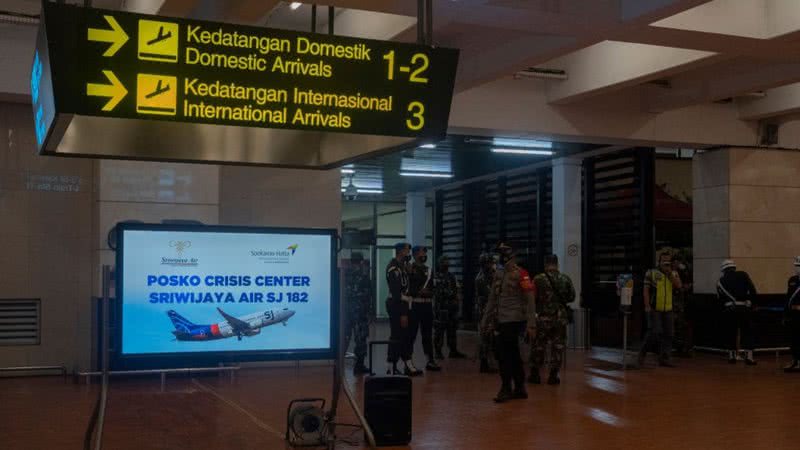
(131, 66)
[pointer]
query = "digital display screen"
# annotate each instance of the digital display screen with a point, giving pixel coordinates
(42, 90)
(225, 290)
(164, 68)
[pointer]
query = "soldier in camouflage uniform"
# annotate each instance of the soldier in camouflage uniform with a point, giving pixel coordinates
(445, 309)
(555, 292)
(483, 288)
(358, 295)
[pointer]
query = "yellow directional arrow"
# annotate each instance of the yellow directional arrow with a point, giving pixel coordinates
(116, 36)
(115, 90)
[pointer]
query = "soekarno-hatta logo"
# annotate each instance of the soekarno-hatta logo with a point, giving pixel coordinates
(180, 246)
(293, 248)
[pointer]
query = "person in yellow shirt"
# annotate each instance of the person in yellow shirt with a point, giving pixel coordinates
(659, 285)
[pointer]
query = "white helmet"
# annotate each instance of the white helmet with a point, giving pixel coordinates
(728, 263)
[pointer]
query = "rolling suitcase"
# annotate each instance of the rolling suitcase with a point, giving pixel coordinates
(387, 408)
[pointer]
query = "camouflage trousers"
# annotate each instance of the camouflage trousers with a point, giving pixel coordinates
(445, 325)
(357, 328)
(551, 335)
(486, 345)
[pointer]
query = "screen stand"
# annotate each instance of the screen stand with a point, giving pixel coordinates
(340, 385)
(96, 422)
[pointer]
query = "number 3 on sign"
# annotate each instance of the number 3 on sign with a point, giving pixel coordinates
(417, 120)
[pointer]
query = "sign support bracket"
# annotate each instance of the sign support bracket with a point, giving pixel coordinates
(425, 22)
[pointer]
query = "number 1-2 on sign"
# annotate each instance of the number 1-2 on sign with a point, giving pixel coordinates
(419, 62)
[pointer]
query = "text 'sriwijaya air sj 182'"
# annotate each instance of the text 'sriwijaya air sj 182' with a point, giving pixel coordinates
(247, 325)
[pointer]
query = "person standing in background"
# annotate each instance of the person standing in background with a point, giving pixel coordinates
(511, 311)
(737, 293)
(659, 284)
(483, 288)
(358, 292)
(555, 292)
(397, 307)
(792, 318)
(420, 290)
(445, 305)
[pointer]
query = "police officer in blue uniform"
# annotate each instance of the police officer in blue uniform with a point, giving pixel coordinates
(792, 319)
(397, 307)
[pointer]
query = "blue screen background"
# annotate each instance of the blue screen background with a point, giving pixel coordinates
(147, 329)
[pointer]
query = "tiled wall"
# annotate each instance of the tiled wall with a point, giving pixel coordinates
(744, 209)
(280, 197)
(45, 241)
(150, 192)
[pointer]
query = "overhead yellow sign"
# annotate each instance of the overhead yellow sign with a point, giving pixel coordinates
(158, 41)
(201, 72)
(156, 94)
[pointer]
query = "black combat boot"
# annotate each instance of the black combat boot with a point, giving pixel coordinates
(535, 377)
(665, 362)
(640, 359)
(432, 366)
(794, 367)
(519, 393)
(553, 378)
(504, 395)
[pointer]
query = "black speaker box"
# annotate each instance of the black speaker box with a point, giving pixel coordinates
(387, 408)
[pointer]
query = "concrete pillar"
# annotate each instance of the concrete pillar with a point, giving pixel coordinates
(567, 233)
(744, 209)
(415, 218)
(567, 215)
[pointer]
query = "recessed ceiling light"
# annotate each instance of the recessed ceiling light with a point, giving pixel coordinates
(426, 174)
(427, 146)
(348, 171)
(367, 191)
(522, 151)
(528, 143)
(295, 5)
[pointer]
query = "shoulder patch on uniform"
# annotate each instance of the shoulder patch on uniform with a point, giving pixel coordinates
(525, 282)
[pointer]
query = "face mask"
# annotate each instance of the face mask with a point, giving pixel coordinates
(423, 259)
(407, 258)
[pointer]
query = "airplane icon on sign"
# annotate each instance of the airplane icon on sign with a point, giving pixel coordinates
(160, 89)
(160, 37)
(158, 41)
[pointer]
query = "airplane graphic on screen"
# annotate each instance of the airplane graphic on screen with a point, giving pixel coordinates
(247, 325)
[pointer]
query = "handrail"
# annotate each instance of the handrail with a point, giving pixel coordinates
(61, 369)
